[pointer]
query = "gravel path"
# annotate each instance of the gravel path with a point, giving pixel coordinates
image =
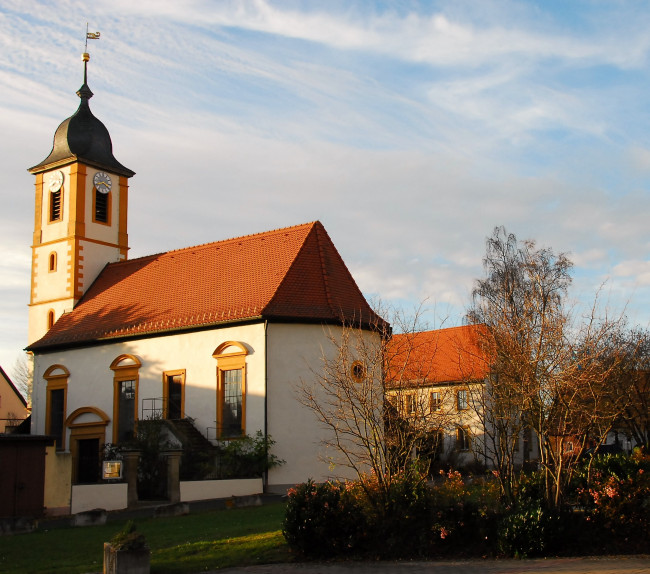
(603, 565)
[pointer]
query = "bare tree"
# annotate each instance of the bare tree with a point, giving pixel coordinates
(22, 376)
(366, 395)
(635, 380)
(550, 369)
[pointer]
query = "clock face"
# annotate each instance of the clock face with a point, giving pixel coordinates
(56, 180)
(102, 182)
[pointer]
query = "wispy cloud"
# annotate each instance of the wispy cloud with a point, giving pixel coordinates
(410, 129)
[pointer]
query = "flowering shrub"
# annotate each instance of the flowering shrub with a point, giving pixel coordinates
(617, 501)
(410, 518)
(465, 514)
(459, 515)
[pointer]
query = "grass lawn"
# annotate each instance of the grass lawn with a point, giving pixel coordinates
(185, 544)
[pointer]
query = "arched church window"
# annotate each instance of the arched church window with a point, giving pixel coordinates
(126, 370)
(231, 389)
(57, 391)
(50, 318)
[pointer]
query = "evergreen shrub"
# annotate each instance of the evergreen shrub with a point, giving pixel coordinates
(323, 520)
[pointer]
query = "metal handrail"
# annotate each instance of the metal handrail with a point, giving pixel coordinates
(154, 411)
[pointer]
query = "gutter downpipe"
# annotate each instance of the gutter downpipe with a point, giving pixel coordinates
(266, 380)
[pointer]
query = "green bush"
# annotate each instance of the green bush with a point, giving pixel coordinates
(529, 529)
(323, 520)
(399, 521)
(247, 457)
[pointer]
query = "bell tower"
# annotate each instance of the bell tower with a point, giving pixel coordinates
(80, 216)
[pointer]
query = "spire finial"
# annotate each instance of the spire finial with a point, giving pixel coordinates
(84, 91)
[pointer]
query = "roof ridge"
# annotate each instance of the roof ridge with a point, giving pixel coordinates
(457, 327)
(293, 262)
(321, 256)
(270, 232)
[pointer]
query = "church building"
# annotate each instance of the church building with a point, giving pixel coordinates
(219, 334)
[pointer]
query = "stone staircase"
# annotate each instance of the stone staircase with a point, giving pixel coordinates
(190, 436)
(199, 454)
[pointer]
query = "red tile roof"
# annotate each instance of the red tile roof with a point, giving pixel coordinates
(446, 355)
(293, 274)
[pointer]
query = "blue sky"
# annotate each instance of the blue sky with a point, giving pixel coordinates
(410, 129)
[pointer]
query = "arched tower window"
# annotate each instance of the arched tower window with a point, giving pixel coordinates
(50, 318)
(51, 266)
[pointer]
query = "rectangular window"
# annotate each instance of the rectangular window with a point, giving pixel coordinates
(410, 404)
(462, 439)
(55, 205)
(174, 394)
(232, 403)
(461, 400)
(435, 401)
(528, 443)
(126, 410)
(439, 442)
(57, 416)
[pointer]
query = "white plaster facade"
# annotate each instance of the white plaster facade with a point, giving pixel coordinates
(446, 414)
(279, 357)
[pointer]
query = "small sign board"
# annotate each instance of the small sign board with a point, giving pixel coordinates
(112, 469)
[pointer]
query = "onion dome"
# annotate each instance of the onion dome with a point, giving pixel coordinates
(82, 137)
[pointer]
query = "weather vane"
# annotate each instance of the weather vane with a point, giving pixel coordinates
(86, 56)
(90, 36)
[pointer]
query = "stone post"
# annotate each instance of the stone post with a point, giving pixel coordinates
(131, 458)
(173, 475)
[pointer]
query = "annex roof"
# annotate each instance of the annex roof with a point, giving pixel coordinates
(5, 377)
(291, 274)
(455, 354)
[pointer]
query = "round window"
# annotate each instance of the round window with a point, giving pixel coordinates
(358, 371)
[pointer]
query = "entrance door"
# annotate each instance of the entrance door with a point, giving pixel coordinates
(87, 460)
